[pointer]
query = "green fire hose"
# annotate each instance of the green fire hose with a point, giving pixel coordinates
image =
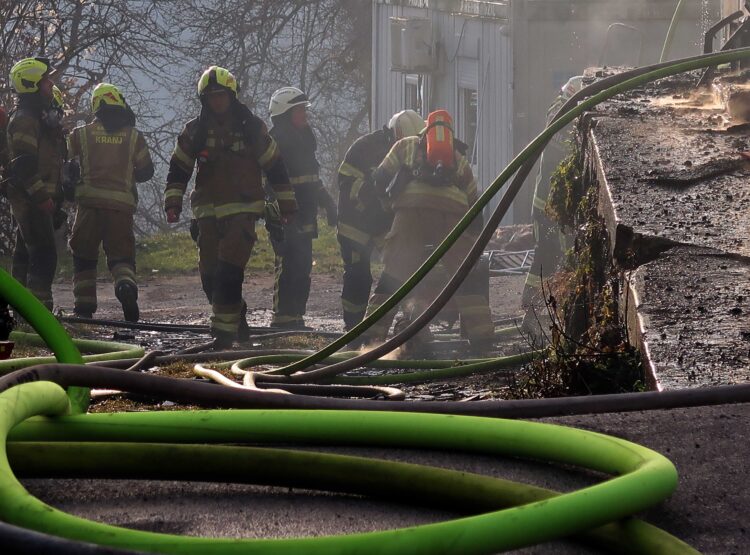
(429, 369)
(104, 351)
(49, 329)
(641, 479)
(672, 30)
(437, 488)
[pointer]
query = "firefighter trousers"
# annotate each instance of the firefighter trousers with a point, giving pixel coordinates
(293, 266)
(414, 232)
(35, 253)
(113, 230)
(357, 280)
(224, 248)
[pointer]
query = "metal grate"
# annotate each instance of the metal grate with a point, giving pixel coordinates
(510, 263)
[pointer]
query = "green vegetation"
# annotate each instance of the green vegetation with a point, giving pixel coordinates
(175, 253)
(589, 350)
(566, 190)
(166, 253)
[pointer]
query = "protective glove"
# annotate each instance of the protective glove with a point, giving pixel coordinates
(71, 176)
(194, 230)
(274, 221)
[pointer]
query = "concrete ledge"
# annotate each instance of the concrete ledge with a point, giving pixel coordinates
(676, 205)
(688, 312)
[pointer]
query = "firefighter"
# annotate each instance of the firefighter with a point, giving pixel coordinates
(113, 156)
(293, 263)
(429, 196)
(36, 150)
(363, 220)
(549, 240)
(53, 117)
(231, 147)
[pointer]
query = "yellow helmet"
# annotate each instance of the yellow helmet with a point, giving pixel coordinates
(28, 73)
(57, 98)
(108, 94)
(217, 78)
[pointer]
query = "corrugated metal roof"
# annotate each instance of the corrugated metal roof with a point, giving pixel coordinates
(475, 8)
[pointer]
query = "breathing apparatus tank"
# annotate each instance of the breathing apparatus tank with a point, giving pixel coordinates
(439, 138)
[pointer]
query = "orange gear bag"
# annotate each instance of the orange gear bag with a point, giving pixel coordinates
(439, 138)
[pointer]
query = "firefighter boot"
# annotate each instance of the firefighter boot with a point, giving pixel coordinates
(127, 294)
(243, 330)
(222, 341)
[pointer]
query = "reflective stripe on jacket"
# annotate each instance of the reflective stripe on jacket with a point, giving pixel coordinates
(108, 163)
(228, 180)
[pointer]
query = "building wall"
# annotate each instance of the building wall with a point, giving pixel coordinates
(476, 54)
(519, 65)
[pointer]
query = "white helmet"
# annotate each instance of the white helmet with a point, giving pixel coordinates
(286, 98)
(406, 123)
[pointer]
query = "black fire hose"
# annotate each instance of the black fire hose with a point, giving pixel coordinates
(144, 326)
(209, 395)
(181, 390)
(21, 541)
(259, 331)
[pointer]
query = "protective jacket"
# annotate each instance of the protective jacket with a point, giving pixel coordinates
(361, 214)
(298, 148)
(36, 152)
(230, 155)
(112, 161)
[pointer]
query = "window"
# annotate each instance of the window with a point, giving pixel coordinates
(467, 128)
(411, 93)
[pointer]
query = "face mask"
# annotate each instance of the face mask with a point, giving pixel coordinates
(52, 117)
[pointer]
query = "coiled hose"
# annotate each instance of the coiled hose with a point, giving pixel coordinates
(642, 477)
(437, 488)
(103, 351)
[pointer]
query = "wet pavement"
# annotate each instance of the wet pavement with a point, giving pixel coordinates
(668, 162)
